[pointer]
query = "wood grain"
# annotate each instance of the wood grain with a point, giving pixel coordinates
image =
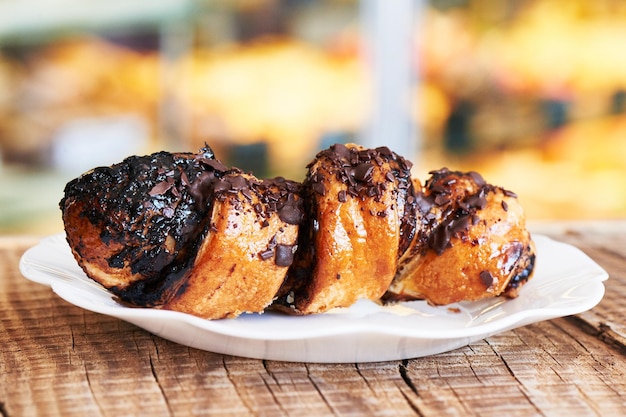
(59, 360)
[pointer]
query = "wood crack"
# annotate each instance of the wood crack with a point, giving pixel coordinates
(405, 376)
(269, 372)
(72, 352)
(161, 389)
(598, 334)
(521, 387)
(358, 370)
(269, 387)
(602, 331)
(93, 395)
(609, 336)
(236, 387)
(403, 370)
(589, 401)
(319, 391)
(411, 405)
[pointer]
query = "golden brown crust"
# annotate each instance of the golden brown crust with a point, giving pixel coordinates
(476, 244)
(356, 201)
(181, 231)
(184, 232)
(245, 255)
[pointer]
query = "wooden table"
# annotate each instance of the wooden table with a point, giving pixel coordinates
(57, 359)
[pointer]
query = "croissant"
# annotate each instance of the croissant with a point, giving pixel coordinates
(182, 231)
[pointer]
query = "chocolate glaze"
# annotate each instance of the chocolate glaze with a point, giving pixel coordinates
(354, 168)
(157, 209)
(448, 206)
(157, 206)
(526, 262)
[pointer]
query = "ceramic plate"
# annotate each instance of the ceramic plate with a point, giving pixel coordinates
(566, 282)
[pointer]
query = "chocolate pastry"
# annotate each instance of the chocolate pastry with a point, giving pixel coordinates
(359, 204)
(472, 243)
(182, 231)
(246, 251)
(146, 230)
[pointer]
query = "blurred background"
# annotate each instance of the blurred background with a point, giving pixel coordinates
(532, 94)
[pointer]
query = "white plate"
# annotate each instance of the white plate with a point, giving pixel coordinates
(566, 282)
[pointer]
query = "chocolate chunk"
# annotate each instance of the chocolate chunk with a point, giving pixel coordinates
(440, 239)
(363, 172)
(342, 196)
(424, 203)
(486, 278)
(247, 194)
(206, 152)
(318, 187)
(459, 225)
(284, 255)
(221, 186)
(290, 214)
(509, 193)
(476, 201)
(213, 163)
(341, 151)
(200, 187)
(385, 151)
(238, 183)
(184, 179)
(478, 179)
(441, 199)
(161, 188)
(439, 189)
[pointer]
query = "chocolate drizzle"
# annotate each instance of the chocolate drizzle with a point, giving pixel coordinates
(449, 205)
(153, 205)
(364, 175)
(153, 212)
(355, 167)
(523, 273)
(158, 206)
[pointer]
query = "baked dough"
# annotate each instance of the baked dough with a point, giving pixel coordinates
(472, 244)
(359, 202)
(183, 232)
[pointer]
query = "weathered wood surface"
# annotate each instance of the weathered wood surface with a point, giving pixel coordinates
(57, 359)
